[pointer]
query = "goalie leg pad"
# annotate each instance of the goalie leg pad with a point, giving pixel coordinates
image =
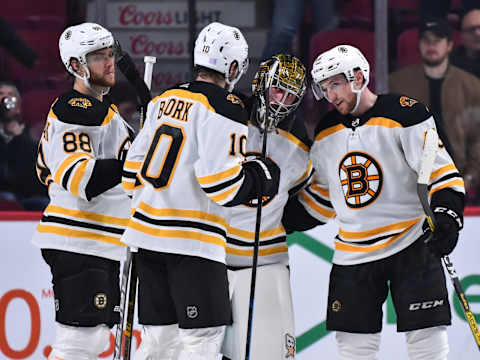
(273, 332)
(357, 346)
(79, 343)
(428, 344)
(201, 344)
(158, 343)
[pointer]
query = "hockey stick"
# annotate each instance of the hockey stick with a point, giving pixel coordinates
(127, 67)
(428, 159)
(132, 292)
(256, 244)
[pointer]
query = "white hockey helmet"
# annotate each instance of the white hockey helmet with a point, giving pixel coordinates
(218, 46)
(79, 40)
(342, 59)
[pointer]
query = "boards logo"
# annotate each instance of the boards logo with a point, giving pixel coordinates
(361, 179)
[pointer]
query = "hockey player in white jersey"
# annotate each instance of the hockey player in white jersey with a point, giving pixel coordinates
(181, 171)
(80, 158)
(366, 155)
(288, 145)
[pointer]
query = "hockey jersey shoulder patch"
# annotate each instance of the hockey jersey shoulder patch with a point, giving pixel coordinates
(403, 109)
(223, 102)
(79, 109)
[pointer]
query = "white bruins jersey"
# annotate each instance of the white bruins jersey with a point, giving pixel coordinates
(182, 167)
(290, 151)
(366, 171)
(79, 131)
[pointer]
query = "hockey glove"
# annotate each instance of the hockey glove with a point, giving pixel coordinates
(445, 235)
(266, 172)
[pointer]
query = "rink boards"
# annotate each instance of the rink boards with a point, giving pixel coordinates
(26, 297)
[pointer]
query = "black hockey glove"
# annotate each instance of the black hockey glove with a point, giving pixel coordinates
(445, 236)
(266, 172)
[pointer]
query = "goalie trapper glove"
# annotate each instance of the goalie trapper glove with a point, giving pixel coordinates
(266, 172)
(445, 235)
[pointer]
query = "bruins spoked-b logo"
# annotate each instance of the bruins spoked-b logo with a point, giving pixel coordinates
(361, 179)
(100, 301)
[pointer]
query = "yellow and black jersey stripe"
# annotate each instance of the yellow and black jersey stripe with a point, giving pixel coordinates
(130, 177)
(82, 224)
(447, 177)
(192, 225)
(316, 200)
(302, 181)
(374, 239)
(241, 242)
(223, 186)
(41, 167)
(72, 171)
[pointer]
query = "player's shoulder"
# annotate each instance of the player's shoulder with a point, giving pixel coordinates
(218, 99)
(73, 107)
(402, 109)
(329, 120)
(296, 127)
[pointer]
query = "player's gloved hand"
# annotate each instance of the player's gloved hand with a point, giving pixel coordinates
(267, 172)
(445, 235)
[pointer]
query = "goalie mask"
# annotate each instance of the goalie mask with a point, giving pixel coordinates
(283, 77)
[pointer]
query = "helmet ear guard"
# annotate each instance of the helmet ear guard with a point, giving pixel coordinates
(286, 74)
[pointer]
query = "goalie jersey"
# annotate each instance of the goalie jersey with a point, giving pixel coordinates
(182, 168)
(82, 217)
(289, 149)
(366, 169)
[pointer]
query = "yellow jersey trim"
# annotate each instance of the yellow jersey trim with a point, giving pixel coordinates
(201, 98)
(105, 219)
(378, 231)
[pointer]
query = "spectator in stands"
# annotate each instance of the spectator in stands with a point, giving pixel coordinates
(445, 88)
(19, 152)
(123, 95)
(470, 153)
(287, 17)
(467, 56)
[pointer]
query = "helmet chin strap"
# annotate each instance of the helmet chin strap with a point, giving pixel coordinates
(87, 83)
(358, 94)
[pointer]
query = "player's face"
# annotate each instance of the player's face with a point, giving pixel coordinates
(434, 50)
(337, 90)
(101, 64)
(278, 95)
